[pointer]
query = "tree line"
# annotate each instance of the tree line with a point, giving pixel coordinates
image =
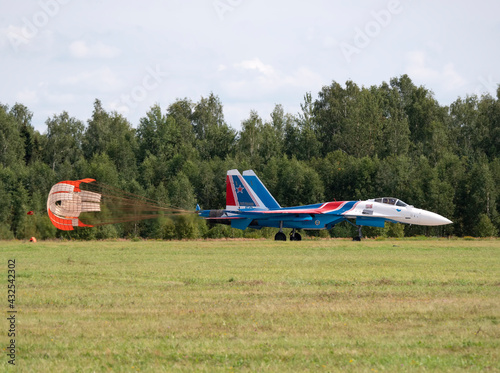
(347, 143)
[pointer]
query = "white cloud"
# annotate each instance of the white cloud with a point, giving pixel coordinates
(304, 77)
(27, 96)
(18, 38)
(257, 85)
(453, 80)
(60, 98)
(119, 107)
(417, 66)
(330, 42)
(7, 34)
(101, 80)
(82, 52)
(256, 64)
(80, 49)
(487, 85)
(446, 76)
(242, 79)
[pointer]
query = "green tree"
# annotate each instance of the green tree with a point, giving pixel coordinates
(28, 134)
(495, 173)
(111, 134)
(395, 136)
(64, 142)
(12, 146)
(307, 145)
(39, 179)
(426, 119)
(330, 112)
(488, 127)
(251, 137)
(97, 133)
(349, 119)
(214, 137)
(103, 170)
(295, 183)
(463, 125)
(364, 123)
(186, 227)
(180, 192)
(484, 227)
(21, 226)
(395, 177)
(158, 139)
(272, 135)
(182, 111)
(162, 146)
(151, 134)
(483, 189)
(5, 204)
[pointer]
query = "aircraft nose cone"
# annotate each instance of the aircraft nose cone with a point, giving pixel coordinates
(431, 218)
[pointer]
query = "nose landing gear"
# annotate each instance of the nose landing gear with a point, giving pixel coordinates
(360, 234)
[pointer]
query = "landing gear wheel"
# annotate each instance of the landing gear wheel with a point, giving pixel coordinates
(280, 236)
(295, 237)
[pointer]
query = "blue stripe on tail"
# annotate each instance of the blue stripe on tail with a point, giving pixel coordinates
(259, 189)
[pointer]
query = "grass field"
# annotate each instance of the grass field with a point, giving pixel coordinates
(255, 305)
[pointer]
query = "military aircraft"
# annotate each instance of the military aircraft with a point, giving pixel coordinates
(250, 205)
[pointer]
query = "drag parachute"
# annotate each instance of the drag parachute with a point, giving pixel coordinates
(86, 203)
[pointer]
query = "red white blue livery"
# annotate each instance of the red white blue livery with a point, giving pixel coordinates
(250, 205)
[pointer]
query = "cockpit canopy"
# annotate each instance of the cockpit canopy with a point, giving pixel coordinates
(390, 201)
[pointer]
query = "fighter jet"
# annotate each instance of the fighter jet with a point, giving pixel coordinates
(250, 205)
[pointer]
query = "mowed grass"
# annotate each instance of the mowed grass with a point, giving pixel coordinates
(256, 305)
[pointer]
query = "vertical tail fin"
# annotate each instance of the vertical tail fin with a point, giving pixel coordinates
(239, 194)
(260, 189)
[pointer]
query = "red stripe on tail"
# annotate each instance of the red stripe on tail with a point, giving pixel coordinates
(230, 201)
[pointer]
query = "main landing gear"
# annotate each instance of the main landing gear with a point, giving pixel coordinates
(295, 236)
(281, 236)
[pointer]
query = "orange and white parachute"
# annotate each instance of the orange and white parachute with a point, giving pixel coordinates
(67, 201)
(86, 203)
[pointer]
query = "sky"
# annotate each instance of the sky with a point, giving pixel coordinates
(60, 55)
